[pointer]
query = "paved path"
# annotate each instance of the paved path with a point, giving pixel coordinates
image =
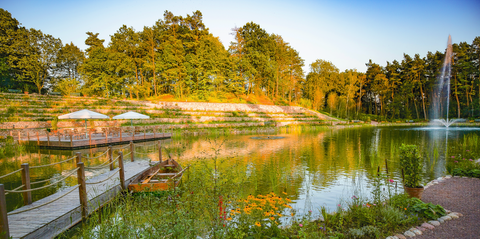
(52, 219)
(458, 195)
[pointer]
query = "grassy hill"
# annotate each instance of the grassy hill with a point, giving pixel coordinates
(37, 112)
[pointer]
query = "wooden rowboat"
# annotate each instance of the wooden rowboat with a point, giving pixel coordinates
(162, 176)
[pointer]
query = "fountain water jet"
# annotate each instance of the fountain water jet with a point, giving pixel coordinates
(441, 93)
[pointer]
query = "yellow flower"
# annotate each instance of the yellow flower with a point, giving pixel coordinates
(279, 214)
(284, 193)
(291, 214)
(272, 218)
(229, 219)
(258, 224)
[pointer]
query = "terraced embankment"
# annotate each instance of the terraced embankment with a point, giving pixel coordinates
(35, 113)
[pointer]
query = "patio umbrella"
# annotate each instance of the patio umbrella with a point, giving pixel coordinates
(84, 114)
(131, 116)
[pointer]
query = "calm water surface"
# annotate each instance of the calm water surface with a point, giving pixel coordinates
(314, 168)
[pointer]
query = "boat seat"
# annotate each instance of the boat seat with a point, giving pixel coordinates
(166, 174)
(169, 165)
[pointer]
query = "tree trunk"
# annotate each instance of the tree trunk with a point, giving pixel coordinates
(423, 102)
(415, 103)
(456, 97)
(360, 99)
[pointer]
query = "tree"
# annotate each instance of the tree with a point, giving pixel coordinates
(332, 101)
(39, 58)
(67, 86)
(69, 60)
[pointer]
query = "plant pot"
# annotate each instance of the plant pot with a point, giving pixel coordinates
(414, 192)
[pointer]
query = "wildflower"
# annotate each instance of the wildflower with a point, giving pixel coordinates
(272, 218)
(471, 159)
(229, 218)
(309, 211)
(405, 209)
(453, 157)
(374, 204)
(339, 205)
(291, 214)
(468, 150)
(258, 224)
(279, 214)
(391, 180)
(456, 161)
(284, 193)
(301, 225)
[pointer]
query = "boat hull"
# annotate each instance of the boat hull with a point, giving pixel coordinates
(163, 168)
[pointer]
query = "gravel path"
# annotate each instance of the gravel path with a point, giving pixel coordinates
(457, 195)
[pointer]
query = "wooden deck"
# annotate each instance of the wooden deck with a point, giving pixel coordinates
(94, 140)
(52, 219)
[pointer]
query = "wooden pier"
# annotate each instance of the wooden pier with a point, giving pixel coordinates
(94, 140)
(52, 215)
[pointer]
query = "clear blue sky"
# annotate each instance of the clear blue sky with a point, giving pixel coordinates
(347, 33)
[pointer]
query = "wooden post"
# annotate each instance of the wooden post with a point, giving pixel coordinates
(133, 133)
(154, 131)
(4, 231)
(89, 138)
(132, 148)
(71, 140)
(120, 134)
(38, 139)
(144, 129)
(386, 165)
(27, 196)
(28, 136)
(110, 157)
(19, 138)
(106, 135)
(48, 139)
(82, 190)
(58, 135)
(160, 151)
(79, 157)
(122, 171)
(403, 177)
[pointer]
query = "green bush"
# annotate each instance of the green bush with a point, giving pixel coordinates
(426, 210)
(411, 163)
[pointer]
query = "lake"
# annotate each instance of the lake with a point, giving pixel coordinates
(317, 167)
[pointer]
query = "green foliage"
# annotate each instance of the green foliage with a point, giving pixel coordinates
(411, 163)
(363, 232)
(54, 123)
(426, 210)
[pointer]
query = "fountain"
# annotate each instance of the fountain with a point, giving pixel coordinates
(441, 93)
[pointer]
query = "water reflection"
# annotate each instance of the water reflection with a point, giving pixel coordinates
(314, 168)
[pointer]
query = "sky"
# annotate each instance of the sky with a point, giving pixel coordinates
(345, 32)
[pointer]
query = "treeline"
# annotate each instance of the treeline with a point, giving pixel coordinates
(179, 56)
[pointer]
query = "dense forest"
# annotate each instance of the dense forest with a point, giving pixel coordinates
(178, 56)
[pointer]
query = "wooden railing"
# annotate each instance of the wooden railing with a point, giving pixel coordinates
(26, 189)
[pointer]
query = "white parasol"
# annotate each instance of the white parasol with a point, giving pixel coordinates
(131, 116)
(84, 114)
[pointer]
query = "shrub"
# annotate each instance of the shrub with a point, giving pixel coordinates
(410, 161)
(426, 210)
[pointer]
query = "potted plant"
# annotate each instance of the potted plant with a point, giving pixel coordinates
(411, 163)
